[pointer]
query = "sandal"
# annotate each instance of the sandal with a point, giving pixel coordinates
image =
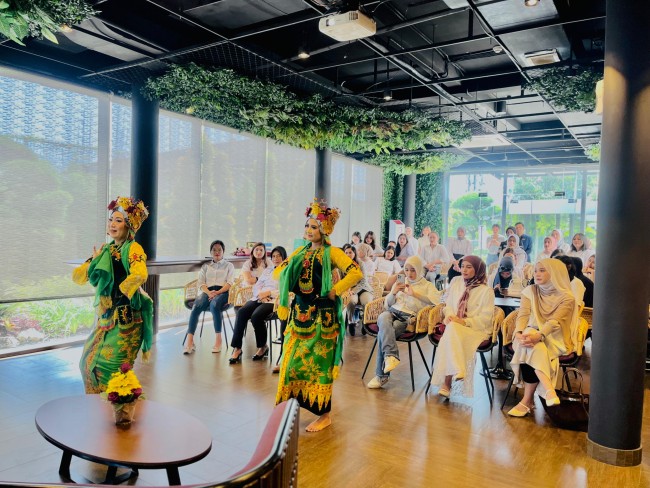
(553, 399)
(519, 410)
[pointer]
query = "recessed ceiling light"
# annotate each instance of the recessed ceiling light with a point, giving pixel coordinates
(388, 95)
(303, 53)
(538, 58)
(531, 3)
(498, 49)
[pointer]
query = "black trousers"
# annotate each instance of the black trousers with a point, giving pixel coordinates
(528, 373)
(256, 312)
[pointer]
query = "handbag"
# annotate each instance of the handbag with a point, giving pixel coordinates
(573, 411)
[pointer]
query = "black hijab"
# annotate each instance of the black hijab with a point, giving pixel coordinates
(506, 265)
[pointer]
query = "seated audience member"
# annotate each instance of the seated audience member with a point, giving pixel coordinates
(433, 255)
(493, 243)
(351, 252)
(215, 279)
(374, 245)
(576, 285)
(559, 241)
(588, 284)
(590, 268)
(423, 240)
(519, 253)
(504, 274)
(469, 307)
(388, 264)
(580, 247)
(362, 292)
(257, 310)
(403, 250)
(255, 266)
(392, 244)
(458, 247)
(402, 305)
(509, 232)
(542, 334)
(525, 241)
(356, 238)
(556, 253)
(549, 247)
(412, 239)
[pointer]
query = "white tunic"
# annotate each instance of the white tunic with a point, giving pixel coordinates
(456, 354)
(386, 266)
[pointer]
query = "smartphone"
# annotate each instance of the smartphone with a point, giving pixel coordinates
(401, 278)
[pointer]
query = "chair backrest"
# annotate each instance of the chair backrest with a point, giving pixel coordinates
(529, 270)
(336, 276)
(492, 268)
(274, 462)
(190, 292)
(234, 289)
(497, 321)
(382, 277)
(508, 327)
(588, 315)
(444, 268)
(422, 320)
(436, 315)
(345, 297)
(372, 311)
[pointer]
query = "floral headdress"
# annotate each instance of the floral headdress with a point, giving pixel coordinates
(326, 216)
(134, 212)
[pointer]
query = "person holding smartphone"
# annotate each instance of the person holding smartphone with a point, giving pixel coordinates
(410, 293)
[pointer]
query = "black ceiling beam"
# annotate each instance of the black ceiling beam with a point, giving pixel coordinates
(521, 116)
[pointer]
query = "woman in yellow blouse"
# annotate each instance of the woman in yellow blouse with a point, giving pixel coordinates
(124, 310)
(313, 340)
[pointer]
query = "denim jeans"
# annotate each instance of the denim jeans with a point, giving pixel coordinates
(392, 324)
(201, 304)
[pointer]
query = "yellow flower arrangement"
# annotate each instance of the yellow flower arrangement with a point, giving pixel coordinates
(123, 387)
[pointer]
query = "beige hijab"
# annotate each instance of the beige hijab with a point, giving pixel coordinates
(547, 298)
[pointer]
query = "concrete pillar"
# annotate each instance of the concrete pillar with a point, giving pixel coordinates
(323, 174)
(621, 293)
(408, 212)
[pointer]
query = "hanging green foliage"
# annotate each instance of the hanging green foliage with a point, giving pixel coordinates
(428, 202)
(393, 202)
(417, 163)
(40, 18)
(568, 88)
(593, 152)
(270, 110)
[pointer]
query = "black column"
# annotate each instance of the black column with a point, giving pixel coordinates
(323, 176)
(408, 212)
(621, 295)
(144, 180)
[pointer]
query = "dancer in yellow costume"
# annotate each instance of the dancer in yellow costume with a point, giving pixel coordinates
(124, 310)
(313, 340)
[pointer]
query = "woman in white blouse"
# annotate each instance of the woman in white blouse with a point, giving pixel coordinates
(403, 250)
(362, 292)
(469, 308)
(376, 248)
(389, 265)
(255, 266)
(520, 255)
(215, 279)
(581, 247)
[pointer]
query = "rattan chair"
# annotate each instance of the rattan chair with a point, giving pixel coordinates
(371, 314)
(492, 268)
(382, 277)
(441, 282)
(529, 270)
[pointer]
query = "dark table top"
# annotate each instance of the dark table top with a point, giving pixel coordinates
(161, 436)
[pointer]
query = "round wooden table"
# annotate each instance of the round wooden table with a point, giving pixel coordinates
(160, 437)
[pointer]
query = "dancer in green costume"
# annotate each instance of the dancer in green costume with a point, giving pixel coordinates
(124, 310)
(313, 340)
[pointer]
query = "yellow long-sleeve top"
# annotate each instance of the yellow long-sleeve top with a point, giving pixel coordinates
(339, 260)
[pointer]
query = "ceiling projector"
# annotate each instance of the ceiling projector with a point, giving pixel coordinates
(347, 26)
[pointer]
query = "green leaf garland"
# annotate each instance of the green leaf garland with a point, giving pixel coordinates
(567, 88)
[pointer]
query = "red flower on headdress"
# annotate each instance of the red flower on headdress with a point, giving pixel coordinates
(112, 205)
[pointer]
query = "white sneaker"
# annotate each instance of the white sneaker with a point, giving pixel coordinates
(390, 363)
(378, 382)
(188, 349)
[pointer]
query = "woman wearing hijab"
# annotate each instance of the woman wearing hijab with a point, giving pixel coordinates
(588, 297)
(501, 278)
(550, 245)
(520, 255)
(405, 300)
(559, 241)
(542, 334)
(468, 322)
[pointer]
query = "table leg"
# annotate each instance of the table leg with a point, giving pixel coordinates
(110, 475)
(499, 372)
(173, 476)
(64, 467)
(113, 479)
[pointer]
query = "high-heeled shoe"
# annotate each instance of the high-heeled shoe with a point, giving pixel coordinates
(552, 399)
(259, 357)
(519, 410)
(235, 360)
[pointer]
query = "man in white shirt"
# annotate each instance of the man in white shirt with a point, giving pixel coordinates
(458, 247)
(433, 255)
(424, 240)
(412, 240)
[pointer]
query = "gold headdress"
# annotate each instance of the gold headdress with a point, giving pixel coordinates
(325, 215)
(134, 212)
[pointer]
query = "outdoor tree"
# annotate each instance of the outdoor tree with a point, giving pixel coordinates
(472, 211)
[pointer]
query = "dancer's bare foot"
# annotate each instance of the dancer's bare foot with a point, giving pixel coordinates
(320, 423)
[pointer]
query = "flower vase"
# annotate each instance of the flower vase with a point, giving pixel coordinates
(124, 415)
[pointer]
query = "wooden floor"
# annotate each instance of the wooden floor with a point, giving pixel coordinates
(379, 438)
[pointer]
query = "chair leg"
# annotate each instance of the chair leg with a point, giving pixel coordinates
(510, 382)
(411, 365)
(488, 379)
(423, 359)
(184, 339)
(433, 357)
(372, 351)
(268, 324)
(202, 321)
(223, 328)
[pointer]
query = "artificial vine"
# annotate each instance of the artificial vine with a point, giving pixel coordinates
(567, 88)
(269, 110)
(428, 202)
(20, 19)
(417, 163)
